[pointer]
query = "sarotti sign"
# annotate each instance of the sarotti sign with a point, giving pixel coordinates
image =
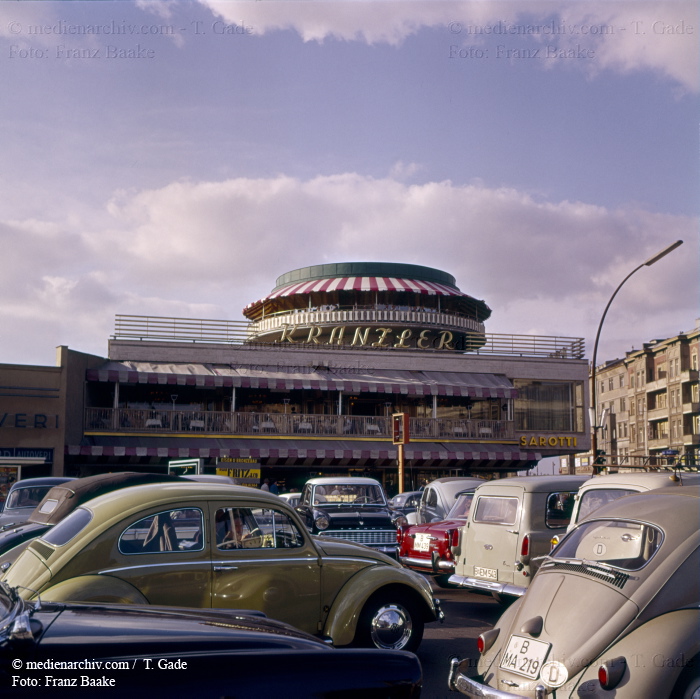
(376, 336)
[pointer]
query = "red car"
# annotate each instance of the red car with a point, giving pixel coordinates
(427, 548)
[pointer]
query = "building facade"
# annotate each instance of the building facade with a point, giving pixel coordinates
(308, 382)
(649, 405)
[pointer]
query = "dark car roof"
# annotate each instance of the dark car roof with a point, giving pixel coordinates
(63, 499)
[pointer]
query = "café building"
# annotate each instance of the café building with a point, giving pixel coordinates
(307, 383)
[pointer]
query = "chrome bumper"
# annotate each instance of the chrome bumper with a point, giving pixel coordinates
(459, 682)
(490, 586)
(426, 566)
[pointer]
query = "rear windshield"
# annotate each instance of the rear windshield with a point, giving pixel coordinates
(68, 528)
(592, 499)
(623, 544)
(496, 510)
(460, 510)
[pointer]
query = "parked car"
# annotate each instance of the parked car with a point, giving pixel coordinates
(439, 497)
(206, 545)
(600, 490)
(292, 499)
(406, 503)
(73, 650)
(427, 548)
(614, 610)
(352, 509)
(24, 496)
(511, 523)
(61, 500)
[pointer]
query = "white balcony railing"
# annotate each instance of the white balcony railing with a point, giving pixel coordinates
(154, 421)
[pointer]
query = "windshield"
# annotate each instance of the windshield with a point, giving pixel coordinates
(460, 510)
(623, 544)
(592, 499)
(348, 494)
(26, 497)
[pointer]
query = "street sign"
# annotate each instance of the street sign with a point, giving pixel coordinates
(185, 467)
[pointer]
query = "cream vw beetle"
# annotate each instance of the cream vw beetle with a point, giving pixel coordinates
(511, 522)
(614, 611)
(223, 546)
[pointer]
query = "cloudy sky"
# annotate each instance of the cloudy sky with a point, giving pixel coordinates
(174, 158)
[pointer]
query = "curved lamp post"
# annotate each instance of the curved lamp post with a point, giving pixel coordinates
(594, 406)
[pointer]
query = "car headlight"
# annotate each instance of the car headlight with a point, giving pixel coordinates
(322, 522)
(400, 521)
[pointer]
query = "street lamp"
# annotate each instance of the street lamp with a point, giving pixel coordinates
(594, 406)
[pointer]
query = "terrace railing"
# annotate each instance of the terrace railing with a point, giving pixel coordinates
(155, 421)
(129, 327)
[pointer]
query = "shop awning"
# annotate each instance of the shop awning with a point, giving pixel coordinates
(348, 380)
(305, 452)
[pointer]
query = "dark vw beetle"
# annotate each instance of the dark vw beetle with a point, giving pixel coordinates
(354, 509)
(23, 498)
(61, 500)
(49, 649)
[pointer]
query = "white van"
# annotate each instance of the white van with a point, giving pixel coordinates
(511, 523)
(603, 489)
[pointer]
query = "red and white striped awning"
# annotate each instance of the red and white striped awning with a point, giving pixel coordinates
(361, 284)
(296, 452)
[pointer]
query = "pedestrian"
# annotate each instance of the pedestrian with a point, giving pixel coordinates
(273, 487)
(266, 485)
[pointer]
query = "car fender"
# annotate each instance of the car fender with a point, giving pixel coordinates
(94, 588)
(341, 622)
(653, 666)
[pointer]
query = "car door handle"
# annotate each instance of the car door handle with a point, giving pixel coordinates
(225, 567)
(512, 531)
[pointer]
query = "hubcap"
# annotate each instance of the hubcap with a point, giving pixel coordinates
(391, 627)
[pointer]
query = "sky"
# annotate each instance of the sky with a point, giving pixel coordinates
(173, 158)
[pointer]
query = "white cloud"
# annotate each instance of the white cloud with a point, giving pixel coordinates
(626, 36)
(206, 249)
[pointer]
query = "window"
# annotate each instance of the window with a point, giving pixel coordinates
(611, 384)
(592, 499)
(170, 531)
(628, 545)
(559, 508)
(68, 528)
(622, 381)
(623, 404)
(496, 510)
(258, 528)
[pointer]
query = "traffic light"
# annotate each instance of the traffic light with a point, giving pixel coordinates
(600, 456)
(399, 423)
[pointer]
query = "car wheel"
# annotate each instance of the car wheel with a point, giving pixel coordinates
(391, 622)
(688, 685)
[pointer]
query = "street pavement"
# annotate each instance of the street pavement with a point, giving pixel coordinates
(467, 614)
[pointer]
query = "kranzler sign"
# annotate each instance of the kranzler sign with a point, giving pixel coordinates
(377, 336)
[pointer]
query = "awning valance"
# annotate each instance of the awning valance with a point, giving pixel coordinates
(300, 452)
(348, 380)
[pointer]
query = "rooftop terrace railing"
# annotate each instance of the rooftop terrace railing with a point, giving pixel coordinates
(130, 327)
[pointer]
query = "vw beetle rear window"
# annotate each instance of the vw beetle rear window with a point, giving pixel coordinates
(623, 544)
(68, 528)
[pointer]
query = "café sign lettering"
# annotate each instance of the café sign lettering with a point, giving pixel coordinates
(373, 336)
(26, 420)
(548, 441)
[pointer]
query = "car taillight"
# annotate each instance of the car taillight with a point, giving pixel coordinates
(486, 640)
(400, 533)
(525, 547)
(611, 672)
(454, 537)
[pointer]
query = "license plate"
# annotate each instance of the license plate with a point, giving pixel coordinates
(422, 542)
(488, 573)
(524, 656)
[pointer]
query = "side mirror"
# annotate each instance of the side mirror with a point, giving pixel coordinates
(21, 631)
